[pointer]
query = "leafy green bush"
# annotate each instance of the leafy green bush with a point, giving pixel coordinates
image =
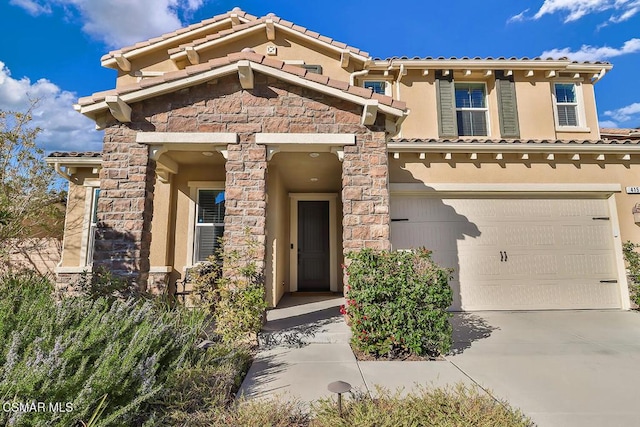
(78, 350)
(232, 287)
(397, 303)
(461, 406)
(632, 257)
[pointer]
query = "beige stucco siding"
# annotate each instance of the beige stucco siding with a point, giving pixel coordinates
(407, 171)
(277, 264)
(182, 202)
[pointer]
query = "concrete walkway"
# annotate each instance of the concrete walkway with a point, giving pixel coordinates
(562, 368)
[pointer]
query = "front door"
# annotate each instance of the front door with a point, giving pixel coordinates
(313, 246)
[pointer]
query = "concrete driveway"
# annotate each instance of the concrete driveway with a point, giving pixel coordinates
(562, 368)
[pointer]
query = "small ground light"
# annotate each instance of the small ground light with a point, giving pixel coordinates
(339, 387)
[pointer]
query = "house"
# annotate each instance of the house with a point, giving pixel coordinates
(496, 164)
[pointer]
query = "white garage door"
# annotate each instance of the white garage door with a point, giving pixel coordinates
(515, 253)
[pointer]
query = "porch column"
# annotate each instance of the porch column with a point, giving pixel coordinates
(125, 206)
(246, 196)
(365, 195)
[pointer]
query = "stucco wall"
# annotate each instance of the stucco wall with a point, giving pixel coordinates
(408, 170)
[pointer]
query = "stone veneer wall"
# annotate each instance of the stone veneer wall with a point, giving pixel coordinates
(128, 176)
(125, 206)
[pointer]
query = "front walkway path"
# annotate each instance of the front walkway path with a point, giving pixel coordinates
(562, 368)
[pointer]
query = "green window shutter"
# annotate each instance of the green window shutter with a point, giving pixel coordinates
(507, 106)
(447, 123)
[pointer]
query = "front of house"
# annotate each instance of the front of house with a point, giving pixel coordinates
(317, 148)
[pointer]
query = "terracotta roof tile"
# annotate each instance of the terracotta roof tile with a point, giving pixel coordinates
(620, 132)
(514, 141)
(250, 56)
(488, 58)
(180, 31)
(96, 154)
(262, 20)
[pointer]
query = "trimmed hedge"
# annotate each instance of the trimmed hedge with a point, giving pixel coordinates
(397, 303)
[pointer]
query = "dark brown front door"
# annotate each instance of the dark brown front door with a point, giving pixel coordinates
(313, 246)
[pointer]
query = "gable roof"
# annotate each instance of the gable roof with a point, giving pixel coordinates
(93, 106)
(234, 17)
(262, 23)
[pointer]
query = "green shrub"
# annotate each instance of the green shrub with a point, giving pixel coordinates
(78, 350)
(632, 257)
(397, 303)
(231, 286)
(461, 406)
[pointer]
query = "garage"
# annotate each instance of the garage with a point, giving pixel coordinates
(516, 252)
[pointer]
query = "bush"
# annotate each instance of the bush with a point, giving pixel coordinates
(79, 350)
(461, 406)
(397, 303)
(231, 286)
(632, 257)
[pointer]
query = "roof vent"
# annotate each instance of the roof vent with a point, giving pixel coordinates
(236, 9)
(248, 49)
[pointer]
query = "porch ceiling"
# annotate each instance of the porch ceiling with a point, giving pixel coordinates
(297, 170)
(212, 158)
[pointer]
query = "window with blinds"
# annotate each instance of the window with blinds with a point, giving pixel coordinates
(566, 104)
(377, 86)
(471, 109)
(209, 223)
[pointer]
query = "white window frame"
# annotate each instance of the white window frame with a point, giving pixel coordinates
(580, 114)
(387, 85)
(485, 109)
(194, 190)
(89, 227)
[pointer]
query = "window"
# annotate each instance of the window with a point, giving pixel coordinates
(566, 104)
(471, 109)
(93, 223)
(378, 86)
(209, 223)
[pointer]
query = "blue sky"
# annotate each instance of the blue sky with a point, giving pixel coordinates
(51, 49)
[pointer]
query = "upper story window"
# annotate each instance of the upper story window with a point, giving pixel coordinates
(471, 109)
(378, 86)
(566, 100)
(209, 223)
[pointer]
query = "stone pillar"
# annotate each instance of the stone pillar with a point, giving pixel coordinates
(125, 207)
(365, 194)
(246, 196)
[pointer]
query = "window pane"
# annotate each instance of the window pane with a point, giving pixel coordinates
(94, 215)
(210, 206)
(207, 241)
(472, 123)
(470, 95)
(565, 92)
(567, 115)
(377, 87)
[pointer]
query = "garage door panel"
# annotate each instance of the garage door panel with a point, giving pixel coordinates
(539, 295)
(517, 253)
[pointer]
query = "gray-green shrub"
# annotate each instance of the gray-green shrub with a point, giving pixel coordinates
(78, 350)
(632, 257)
(397, 303)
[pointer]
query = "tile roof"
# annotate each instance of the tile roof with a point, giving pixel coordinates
(77, 154)
(436, 141)
(253, 57)
(276, 20)
(620, 132)
(488, 58)
(237, 11)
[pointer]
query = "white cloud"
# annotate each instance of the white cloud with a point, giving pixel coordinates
(63, 129)
(519, 17)
(119, 23)
(592, 53)
(622, 10)
(608, 124)
(31, 6)
(626, 114)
